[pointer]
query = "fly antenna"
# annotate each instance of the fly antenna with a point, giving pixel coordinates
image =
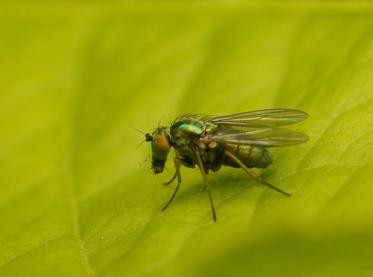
(138, 130)
(138, 146)
(160, 120)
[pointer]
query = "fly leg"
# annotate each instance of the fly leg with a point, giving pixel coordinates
(252, 174)
(172, 179)
(177, 168)
(203, 172)
(178, 175)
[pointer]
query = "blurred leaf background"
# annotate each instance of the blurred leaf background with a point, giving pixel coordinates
(77, 198)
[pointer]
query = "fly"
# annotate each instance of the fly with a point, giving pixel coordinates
(210, 142)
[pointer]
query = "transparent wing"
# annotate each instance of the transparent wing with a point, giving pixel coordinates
(268, 137)
(260, 118)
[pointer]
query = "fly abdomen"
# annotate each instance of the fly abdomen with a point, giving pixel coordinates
(250, 155)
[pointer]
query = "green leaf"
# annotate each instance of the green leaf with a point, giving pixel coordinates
(76, 198)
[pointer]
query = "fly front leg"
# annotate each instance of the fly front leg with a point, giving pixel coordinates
(178, 176)
(177, 171)
(204, 175)
(252, 173)
(171, 181)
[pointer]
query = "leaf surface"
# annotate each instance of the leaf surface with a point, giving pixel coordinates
(77, 198)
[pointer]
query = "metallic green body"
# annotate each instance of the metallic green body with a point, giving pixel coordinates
(250, 155)
(238, 140)
(186, 131)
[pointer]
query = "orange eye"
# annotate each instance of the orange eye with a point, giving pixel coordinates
(161, 143)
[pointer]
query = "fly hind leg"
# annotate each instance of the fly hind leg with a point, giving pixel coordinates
(236, 160)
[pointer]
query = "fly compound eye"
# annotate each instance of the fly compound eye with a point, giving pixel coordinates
(161, 145)
(160, 149)
(148, 137)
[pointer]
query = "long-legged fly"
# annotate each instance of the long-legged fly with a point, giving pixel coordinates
(238, 140)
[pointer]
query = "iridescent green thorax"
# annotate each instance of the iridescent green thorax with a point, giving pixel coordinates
(186, 129)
